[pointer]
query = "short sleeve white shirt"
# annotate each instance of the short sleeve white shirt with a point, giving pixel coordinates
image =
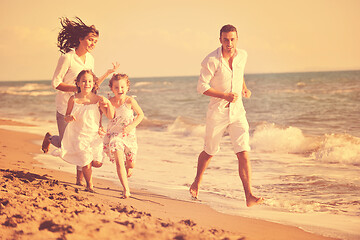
(68, 67)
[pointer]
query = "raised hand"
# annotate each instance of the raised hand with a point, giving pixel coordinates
(116, 66)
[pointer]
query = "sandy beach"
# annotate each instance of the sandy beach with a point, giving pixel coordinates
(38, 203)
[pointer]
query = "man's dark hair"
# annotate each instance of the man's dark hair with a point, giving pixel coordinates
(228, 28)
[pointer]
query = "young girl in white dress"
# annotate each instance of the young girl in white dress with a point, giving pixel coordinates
(120, 142)
(82, 144)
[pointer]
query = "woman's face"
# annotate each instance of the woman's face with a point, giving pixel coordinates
(88, 43)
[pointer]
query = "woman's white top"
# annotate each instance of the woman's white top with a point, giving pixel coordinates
(68, 67)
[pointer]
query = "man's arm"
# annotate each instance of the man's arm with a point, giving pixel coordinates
(230, 97)
(207, 72)
(245, 91)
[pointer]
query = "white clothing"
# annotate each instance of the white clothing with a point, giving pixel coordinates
(116, 139)
(82, 143)
(68, 67)
(216, 124)
(215, 73)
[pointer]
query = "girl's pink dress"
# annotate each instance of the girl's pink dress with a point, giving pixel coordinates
(115, 138)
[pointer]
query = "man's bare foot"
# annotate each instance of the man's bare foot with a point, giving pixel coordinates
(129, 172)
(252, 200)
(194, 190)
(46, 143)
(126, 194)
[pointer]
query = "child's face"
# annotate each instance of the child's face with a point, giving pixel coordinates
(120, 88)
(86, 83)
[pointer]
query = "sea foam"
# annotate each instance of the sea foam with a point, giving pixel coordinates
(269, 137)
(339, 148)
(186, 127)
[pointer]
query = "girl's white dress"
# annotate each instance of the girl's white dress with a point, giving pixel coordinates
(115, 138)
(82, 143)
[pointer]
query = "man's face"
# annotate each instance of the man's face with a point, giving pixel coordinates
(228, 41)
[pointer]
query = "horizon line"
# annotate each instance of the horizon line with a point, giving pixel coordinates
(260, 73)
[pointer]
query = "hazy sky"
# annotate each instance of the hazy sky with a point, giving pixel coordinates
(170, 38)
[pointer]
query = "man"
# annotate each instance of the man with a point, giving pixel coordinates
(222, 78)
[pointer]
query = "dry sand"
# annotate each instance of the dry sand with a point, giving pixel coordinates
(38, 203)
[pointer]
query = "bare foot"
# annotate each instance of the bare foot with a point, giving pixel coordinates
(80, 183)
(252, 200)
(129, 172)
(79, 178)
(194, 190)
(89, 190)
(126, 194)
(46, 143)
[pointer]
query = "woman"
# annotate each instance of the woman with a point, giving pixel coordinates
(76, 40)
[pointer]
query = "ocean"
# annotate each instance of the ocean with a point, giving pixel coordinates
(304, 135)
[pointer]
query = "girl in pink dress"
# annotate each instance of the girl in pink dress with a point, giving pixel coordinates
(120, 142)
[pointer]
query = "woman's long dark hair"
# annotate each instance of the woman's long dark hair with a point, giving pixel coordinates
(71, 32)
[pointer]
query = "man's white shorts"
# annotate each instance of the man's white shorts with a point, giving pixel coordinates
(216, 124)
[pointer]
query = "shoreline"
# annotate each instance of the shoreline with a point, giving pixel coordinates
(144, 216)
